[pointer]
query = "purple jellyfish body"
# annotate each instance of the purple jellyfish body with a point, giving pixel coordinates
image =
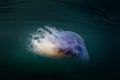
(72, 44)
(58, 44)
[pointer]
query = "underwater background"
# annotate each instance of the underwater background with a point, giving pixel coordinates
(97, 21)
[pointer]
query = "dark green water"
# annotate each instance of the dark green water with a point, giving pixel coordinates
(97, 22)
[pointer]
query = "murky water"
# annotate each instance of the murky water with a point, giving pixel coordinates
(96, 21)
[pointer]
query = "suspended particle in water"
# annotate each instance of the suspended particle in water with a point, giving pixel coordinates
(59, 44)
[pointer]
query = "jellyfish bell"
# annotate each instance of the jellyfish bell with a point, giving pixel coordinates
(58, 44)
(76, 44)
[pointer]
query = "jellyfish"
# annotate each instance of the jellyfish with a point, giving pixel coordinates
(59, 44)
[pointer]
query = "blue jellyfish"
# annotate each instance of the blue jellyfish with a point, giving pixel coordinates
(55, 43)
